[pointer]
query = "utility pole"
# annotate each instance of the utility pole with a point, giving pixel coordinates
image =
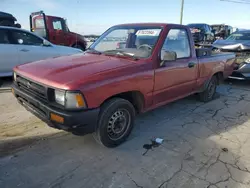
(182, 7)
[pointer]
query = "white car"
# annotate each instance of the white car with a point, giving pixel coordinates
(18, 46)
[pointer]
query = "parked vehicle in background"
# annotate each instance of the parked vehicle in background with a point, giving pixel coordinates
(7, 19)
(202, 33)
(55, 30)
(239, 43)
(18, 46)
(103, 89)
(222, 31)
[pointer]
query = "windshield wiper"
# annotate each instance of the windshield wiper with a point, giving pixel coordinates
(120, 53)
(93, 51)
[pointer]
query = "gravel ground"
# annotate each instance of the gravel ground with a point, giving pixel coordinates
(205, 145)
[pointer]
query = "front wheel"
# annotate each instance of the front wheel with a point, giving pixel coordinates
(210, 90)
(115, 122)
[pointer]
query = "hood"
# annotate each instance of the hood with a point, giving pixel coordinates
(68, 72)
(232, 45)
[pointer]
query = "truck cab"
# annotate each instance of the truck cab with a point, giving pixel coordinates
(55, 30)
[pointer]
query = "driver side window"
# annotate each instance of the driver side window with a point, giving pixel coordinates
(24, 38)
(177, 41)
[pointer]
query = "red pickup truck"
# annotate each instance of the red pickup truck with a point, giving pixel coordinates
(101, 90)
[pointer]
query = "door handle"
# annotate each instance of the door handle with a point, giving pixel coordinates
(191, 64)
(24, 50)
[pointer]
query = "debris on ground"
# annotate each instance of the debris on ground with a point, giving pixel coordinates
(224, 149)
(154, 143)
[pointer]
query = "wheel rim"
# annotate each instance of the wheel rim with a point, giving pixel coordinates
(211, 89)
(118, 124)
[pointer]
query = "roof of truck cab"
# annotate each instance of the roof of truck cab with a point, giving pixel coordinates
(149, 24)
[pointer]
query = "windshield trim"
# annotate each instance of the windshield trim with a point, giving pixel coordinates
(128, 27)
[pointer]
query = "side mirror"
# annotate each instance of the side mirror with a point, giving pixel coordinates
(46, 43)
(168, 56)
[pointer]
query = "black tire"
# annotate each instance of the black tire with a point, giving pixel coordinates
(79, 47)
(210, 90)
(114, 111)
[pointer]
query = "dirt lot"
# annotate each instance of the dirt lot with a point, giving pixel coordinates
(205, 145)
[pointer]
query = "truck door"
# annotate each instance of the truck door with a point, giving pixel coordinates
(58, 33)
(175, 79)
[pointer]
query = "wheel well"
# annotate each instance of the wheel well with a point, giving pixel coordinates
(136, 98)
(220, 77)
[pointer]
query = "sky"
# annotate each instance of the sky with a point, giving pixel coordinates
(95, 16)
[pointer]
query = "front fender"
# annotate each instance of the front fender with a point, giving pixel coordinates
(97, 93)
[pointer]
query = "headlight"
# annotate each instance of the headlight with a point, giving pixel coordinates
(60, 97)
(70, 99)
(74, 100)
(14, 76)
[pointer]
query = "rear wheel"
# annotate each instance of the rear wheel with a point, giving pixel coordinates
(115, 122)
(210, 91)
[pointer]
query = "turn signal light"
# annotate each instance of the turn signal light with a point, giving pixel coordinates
(56, 118)
(80, 101)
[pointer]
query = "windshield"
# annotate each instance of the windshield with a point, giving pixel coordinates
(134, 41)
(239, 36)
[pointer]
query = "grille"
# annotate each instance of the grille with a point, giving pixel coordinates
(32, 88)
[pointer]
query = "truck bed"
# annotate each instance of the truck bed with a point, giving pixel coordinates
(216, 60)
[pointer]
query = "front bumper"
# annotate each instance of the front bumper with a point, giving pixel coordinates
(84, 120)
